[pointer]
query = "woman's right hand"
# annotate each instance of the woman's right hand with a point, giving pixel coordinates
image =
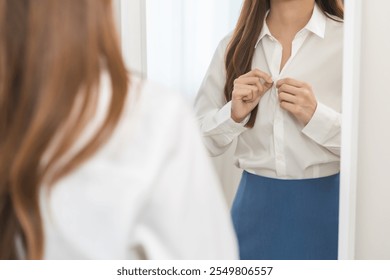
(247, 92)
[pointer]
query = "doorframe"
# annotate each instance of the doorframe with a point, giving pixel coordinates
(131, 18)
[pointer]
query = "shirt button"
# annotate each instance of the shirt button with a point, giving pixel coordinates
(279, 158)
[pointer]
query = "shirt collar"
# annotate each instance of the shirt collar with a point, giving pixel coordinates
(316, 25)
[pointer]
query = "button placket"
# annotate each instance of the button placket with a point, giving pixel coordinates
(280, 158)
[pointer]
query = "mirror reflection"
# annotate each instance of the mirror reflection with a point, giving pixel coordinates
(270, 104)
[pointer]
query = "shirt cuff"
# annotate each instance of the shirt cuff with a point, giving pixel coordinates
(225, 123)
(323, 123)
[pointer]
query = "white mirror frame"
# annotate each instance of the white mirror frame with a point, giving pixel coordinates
(131, 15)
(350, 120)
(132, 26)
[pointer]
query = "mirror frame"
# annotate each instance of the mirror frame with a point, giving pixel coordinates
(132, 26)
(350, 126)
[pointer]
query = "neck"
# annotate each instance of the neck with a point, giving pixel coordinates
(289, 15)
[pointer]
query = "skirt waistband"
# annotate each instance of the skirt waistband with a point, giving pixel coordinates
(253, 178)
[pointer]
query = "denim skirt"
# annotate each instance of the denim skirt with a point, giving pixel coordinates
(287, 219)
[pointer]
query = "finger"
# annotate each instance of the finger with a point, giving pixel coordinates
(254, 81)
(267, 78)
(245, 92)
(286, 97)
(251, 87)
(247, 80)
(258, 90)
(291, 82)
(254, 93)
(289, 107)
(242, 94)
(289, 89)
(247, 99)
(260, 74)
(267, 86)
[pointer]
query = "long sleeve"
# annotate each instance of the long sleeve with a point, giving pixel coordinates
(214, 115)
(186, 216)
(325, 128)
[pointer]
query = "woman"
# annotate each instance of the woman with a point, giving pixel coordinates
(275, 86)
(94, 166)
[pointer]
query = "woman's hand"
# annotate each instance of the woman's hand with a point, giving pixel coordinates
(247, 92)
(297, 98)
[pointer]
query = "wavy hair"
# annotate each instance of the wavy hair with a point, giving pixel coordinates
(52, 54)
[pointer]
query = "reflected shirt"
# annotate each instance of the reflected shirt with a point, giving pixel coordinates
(149, 192)
(279, 146)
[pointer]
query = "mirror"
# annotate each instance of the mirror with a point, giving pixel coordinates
(192, 29)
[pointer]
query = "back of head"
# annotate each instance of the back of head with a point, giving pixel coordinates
(52, 53)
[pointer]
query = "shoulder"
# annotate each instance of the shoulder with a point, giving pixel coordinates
(225, 41)
(155, 114)
(334, 26)
(334, 34)
(153, 93)
(155, 101)
(223, 45)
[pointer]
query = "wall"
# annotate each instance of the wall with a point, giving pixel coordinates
(373, 179)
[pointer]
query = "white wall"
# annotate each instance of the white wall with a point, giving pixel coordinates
(373, 180)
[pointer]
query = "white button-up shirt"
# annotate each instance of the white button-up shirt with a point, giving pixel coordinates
(149, 192)
(279, 146)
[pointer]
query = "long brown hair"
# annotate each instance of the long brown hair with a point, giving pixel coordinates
(52, 54)
(241, 48)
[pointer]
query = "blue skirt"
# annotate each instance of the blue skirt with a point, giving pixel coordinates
(287, 219)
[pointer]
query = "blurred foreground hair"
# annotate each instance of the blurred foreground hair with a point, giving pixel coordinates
(52, 54)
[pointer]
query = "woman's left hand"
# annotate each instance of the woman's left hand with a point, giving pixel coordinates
(297, 98)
